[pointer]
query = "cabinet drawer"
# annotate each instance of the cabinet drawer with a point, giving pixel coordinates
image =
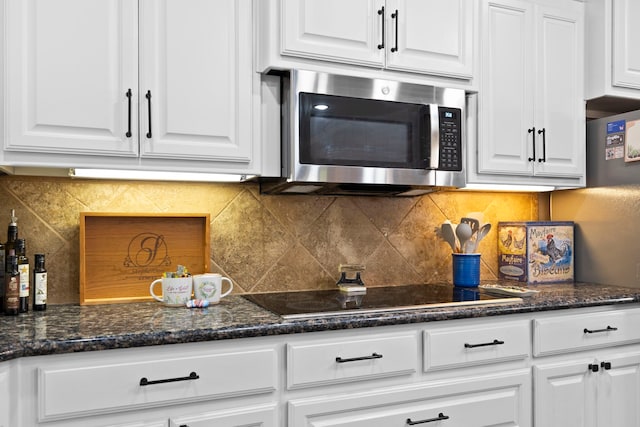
(503, 400)
(336, 361)
(67, 391)
(262, 416)
(467, 346)
(565, 334)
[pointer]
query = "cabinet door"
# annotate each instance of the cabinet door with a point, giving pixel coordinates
(334, 30)
(70, 64)
(560, 109)
(506, 99)
(6, 409)
(253, 416)
(565, 394)
(196, 67)
(626, 33)
(619, 392)
(433, 36)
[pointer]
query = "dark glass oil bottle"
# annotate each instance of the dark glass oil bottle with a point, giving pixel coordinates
(12, 235)
(25, 277)
(3, 264)
(39, 284)
(11, 286)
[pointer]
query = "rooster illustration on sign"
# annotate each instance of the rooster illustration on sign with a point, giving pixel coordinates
(506, 242)
(548, 252)
(517, 243)
(553, 251)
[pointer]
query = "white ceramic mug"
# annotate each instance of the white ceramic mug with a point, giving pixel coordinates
(176, 291)
(209, 286)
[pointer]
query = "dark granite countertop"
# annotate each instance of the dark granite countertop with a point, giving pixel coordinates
(74, 328)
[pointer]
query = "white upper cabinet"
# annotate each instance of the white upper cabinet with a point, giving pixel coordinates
(531, 109)
(507, 88)
(130, 83)
(69, 65)
(626, 35)
(432, 37)
(612, 54)
(559, 97)
(195, 62)
(334, 30)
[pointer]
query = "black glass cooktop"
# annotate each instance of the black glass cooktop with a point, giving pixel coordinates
(309, 304)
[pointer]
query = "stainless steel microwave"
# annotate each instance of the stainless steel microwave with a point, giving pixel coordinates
(351, 135)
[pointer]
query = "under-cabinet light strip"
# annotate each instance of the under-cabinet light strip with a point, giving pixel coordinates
(156, 175)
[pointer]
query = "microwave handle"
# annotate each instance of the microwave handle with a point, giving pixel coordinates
(434, 126)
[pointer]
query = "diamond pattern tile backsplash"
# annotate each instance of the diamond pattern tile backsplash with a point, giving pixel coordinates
(264, 243)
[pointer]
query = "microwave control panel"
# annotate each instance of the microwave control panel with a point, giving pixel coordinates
(450, 139)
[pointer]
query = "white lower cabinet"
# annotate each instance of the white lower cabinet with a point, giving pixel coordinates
(573, 368)
(5, 392)
(479, 344)
(489, 385)
(228, 384)
(254, 417)
(571, 333)
(71, 391)
(331, 361)
(496, 400)
(564, 394)
(591, 377)
(588, 392)
(619, 391)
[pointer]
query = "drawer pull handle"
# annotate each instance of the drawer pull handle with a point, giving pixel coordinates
(605, 365)
(355, 359)
(192, 376)
(440, 417)
(595, 331)
(494, 342)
